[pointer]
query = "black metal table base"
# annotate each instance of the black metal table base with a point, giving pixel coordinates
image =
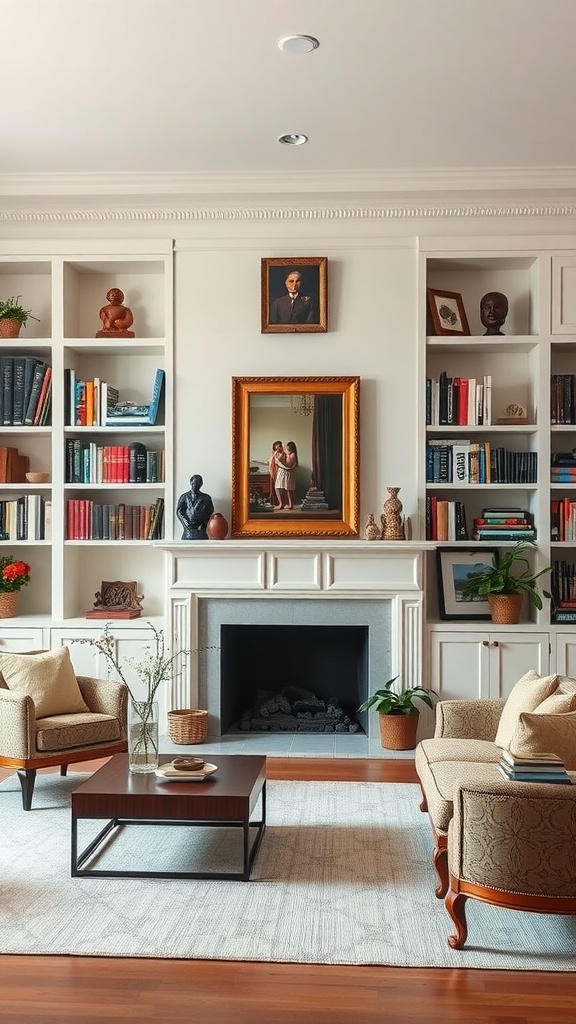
(250, 851)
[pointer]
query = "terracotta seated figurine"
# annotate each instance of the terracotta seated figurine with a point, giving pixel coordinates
(116, 318)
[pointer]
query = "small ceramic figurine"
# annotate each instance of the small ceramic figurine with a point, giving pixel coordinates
(493, 312)
(116, 318)
(371, 531)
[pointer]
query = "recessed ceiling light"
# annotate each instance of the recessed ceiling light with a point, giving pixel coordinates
(298, 44)
(292, 139)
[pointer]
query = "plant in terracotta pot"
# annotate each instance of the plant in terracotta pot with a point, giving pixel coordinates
(14, 574)
(398, 713)
(505, 583)
(13, 316)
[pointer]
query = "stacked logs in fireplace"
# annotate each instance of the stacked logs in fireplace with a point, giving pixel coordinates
(294, 709)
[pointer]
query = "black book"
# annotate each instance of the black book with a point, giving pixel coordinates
(137, 463)
(37, 381)
(18, 389)
(7, 368)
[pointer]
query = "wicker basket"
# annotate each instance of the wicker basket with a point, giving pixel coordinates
(189, 725)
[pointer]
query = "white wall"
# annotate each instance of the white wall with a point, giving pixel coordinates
(371, 332)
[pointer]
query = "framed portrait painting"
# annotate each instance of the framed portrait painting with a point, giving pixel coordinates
(294, 295)
(295, 456)
(448, 313)
(455, 565)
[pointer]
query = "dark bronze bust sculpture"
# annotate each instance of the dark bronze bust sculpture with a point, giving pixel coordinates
(493, 312)
(194, 509)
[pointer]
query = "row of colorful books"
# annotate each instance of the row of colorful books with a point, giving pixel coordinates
(97, 403)
(28, 517)
(504, 524)
(465, 462)
(461, 401)
(88, 520)
(533, 768)
(25, 391)
(91, 463)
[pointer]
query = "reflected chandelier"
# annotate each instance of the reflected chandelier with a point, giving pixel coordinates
(302, 405)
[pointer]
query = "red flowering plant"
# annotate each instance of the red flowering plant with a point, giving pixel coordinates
(14, 574)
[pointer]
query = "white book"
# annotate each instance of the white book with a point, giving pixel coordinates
(487, 406)
(461, 463)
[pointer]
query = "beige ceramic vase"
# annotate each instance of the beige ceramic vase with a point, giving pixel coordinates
(391, 518)
(371, 531)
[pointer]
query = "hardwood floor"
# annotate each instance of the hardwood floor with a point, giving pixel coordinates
(84, 990)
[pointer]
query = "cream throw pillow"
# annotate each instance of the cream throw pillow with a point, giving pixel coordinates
(557, 704)
(48, 678)
(555, 734)
(526, 695)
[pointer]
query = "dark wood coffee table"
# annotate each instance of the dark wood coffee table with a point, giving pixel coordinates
(227, 798)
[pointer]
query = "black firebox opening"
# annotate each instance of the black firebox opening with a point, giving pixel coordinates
(258, 662)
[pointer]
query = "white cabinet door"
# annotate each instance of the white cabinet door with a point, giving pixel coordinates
(566, 654)
(563, 295)
(22, 638)
(459, 665)
(514, 654)
(471, 666)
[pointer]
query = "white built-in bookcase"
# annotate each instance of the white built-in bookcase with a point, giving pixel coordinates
(539, 340)
(66, 293)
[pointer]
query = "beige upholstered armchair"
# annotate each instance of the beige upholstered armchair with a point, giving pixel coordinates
(511, 844)
(48, 716)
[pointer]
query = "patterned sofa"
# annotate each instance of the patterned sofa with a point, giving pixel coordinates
(509, 843)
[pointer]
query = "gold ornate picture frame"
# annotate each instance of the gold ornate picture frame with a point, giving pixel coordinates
(319, 418)
(303, 310)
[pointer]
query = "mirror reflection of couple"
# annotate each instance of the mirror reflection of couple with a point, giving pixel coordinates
(282, 466)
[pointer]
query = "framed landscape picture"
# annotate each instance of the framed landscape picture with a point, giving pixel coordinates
(295, 456)
(294, 295)
(455, 565)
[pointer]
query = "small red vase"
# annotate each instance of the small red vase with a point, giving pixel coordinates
(217, 526)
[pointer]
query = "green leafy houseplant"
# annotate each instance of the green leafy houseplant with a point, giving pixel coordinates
(511, 573)
(11, 309)
(388, 702)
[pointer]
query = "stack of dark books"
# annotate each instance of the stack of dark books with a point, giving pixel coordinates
(563, 467)
(504, 524)
(314, 501)
(533, 768)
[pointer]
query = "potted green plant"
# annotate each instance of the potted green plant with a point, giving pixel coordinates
(398, 713)
(505, 583)
(13, 316)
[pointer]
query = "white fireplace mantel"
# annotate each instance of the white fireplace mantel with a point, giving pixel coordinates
(271, 569)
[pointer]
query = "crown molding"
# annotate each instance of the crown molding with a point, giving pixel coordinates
(399, 180)
(65, 212)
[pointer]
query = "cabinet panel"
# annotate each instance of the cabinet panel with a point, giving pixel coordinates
(512, 655)
(476, 665)
(565, 662)
(22, 638)
(459, 664)
(564, 295)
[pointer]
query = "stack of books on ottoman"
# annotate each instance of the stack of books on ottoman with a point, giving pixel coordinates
(535, 768)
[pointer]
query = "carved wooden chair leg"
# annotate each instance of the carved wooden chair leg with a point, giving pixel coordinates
(440, 862)
(456, 906)
(27, 778)
(63, 769)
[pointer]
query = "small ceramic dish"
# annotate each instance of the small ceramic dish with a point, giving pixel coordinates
(169, 774)
(37, 478)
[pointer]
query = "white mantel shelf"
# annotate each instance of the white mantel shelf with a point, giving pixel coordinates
(321, 567)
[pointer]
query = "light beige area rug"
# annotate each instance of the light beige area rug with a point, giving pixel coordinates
(343, 877)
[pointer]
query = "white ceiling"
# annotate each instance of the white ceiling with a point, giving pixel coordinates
(112, 96)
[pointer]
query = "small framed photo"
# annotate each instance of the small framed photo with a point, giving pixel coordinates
(448, 314)
(455, 565)
(294, 295)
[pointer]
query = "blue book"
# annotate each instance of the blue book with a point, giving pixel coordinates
(157, 390)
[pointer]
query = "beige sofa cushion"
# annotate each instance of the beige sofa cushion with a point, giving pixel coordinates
(526, 695)
(557, 704)
(48, 678)
(63, 732)
(556, 734)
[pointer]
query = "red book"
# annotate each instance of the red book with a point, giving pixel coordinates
(463, 406)
(42, 396)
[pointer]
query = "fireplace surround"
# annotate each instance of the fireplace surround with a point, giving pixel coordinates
(376, 586)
